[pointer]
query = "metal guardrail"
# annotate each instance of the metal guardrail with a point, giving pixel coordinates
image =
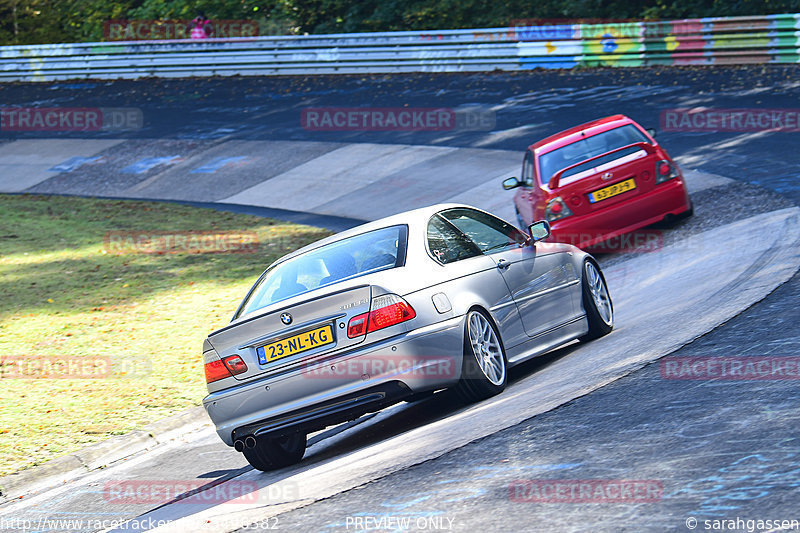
(707, 41)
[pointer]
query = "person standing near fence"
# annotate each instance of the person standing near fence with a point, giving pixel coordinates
(201, 27)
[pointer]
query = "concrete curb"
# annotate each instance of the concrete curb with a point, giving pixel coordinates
(100, 454)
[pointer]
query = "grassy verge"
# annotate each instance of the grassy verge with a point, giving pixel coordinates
(63, 295)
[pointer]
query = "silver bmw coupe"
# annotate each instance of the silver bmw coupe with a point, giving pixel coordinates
(439, 297)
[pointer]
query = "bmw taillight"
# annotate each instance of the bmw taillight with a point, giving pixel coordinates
(665, 171)
(217, 369)
(556, 209)
(386, 310)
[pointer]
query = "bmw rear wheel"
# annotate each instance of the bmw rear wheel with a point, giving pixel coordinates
(271, 453)
(483, 373)
(596, 302)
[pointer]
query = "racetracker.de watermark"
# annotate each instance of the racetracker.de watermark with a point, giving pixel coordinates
(73, 367)
(143, 523)
(142, 30)
(635, 242)
(758, 368)
(194, 491)
(566, 29)
(730, 120)
(366, 367)
(70, 118)
(119, 242)
(585, 491)
(469, 118)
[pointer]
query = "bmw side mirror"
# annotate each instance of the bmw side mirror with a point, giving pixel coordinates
(511, 183)
(539, 230)
(651, 132)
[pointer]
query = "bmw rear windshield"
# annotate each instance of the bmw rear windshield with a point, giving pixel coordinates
(588, 147)
(337, 261)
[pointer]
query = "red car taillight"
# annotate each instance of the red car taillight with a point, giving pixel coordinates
(556, 209)
(218, 369)
(665, 171)
(385, 311)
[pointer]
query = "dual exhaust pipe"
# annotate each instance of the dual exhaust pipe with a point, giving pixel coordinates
(248, 442)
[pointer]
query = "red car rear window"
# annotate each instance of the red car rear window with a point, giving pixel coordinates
(588, 147)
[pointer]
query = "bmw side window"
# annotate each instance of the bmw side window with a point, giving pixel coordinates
(447, 244)
(490, 234)
(527, 169)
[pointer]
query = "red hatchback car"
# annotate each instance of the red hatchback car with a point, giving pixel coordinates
(597, 181)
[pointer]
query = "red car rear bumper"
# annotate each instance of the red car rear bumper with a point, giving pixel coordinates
(670, 198)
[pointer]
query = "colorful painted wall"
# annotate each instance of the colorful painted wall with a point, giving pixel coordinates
(708, 41)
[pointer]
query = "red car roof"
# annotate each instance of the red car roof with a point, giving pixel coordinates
(564, 137)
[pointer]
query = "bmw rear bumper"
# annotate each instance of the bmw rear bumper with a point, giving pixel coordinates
(342, 387)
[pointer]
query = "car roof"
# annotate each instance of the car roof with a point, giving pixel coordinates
(569, 136)
(413, 217)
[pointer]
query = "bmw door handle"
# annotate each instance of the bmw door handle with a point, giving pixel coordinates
(503, 264)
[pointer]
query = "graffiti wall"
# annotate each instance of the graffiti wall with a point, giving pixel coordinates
(706, 41)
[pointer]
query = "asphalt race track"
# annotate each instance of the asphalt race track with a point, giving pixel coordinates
(527, 106)
(723, 284)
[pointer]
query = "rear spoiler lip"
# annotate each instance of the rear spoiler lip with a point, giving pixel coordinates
(268, 311)
(554, 181)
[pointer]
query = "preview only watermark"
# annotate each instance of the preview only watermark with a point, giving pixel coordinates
(585, 491)
(397, 119)
(745, 368)
(142, 30)
(70, 118)
(398, 523)
(180, 242)
(730, 120)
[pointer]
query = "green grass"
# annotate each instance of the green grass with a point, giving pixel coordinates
(62, 294)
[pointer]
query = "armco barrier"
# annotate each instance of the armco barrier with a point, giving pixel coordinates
(707, 41)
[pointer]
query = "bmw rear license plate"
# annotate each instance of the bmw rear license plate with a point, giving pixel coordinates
(612, 190)
(295, 344)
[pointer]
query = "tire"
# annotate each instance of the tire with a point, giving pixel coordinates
(596, 302)
(484, 370)
(271, 453)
